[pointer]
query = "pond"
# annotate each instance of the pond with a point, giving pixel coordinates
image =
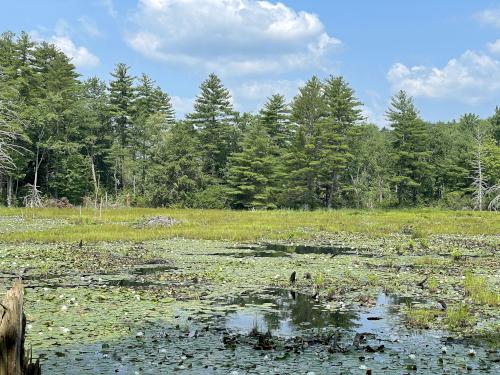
(305, 336)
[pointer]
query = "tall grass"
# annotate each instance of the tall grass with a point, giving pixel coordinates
(116, 224)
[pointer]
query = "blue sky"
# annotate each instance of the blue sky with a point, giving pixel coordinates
(445, 53)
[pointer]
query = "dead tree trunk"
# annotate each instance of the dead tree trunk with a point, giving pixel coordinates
(12, 329)
(9, 191)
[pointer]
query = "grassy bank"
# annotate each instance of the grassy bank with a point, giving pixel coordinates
(67, 225)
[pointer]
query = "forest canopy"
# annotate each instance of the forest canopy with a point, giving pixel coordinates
(119, 141)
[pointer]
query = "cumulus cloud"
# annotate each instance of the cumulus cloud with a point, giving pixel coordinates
(470, 78)
(230, 36)
(89, 27)
(489, 17)
(80, 56)
(494, 47)
(258, 90)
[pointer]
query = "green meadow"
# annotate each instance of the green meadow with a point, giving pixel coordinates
(69, 225)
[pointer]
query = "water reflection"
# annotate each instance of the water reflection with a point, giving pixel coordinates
(284, 313)
(284, 250)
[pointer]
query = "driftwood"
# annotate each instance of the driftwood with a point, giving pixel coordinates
(13, 360)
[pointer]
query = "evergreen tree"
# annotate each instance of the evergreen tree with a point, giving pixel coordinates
(275, 116)
(411, 152)
(176, 174)
(52, 126)
(214, 119)
(121, 99)
(153, 113)
(252, 172)
(303, 158)
(451, 153)
(342, 113)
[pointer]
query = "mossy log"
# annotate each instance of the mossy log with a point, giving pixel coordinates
(13, 360)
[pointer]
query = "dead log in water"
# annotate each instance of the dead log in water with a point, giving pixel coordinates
(13, 360)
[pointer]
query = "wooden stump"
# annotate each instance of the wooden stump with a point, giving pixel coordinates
(12, 329)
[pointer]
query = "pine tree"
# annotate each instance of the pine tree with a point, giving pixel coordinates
(121, 98)
(275, 116)
(410, 145)
(214, 119)
(303, 159)
(153, 113)
(52, 127)
(252, 172)
(451, 153)
(176, 173)
(342, 114)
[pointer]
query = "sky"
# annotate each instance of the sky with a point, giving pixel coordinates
(445, 53)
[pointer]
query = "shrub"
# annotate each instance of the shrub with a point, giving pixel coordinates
(215, 196)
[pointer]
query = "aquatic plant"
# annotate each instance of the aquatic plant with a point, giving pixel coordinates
(420, 318)
(480, 291)
(458, 317)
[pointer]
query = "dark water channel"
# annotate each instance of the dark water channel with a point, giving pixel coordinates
(280, 250)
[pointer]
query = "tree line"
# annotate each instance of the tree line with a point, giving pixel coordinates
(89, 140)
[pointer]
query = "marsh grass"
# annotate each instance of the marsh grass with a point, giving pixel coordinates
(118, 224)
(429, 260)
(459, 317)
(433, 284)
(456, 254)
(478, 288)
(421, 318)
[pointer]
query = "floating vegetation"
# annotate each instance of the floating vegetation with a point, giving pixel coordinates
(219, 306)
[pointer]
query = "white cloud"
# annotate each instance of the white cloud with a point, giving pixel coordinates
(250, 96)
(230, 36)
(80, 56)
(470, 78)
(182, 105)
(374, 107)
(259, 90)
(489, 17)
(110, 7)
(494, 47)
(89, 27)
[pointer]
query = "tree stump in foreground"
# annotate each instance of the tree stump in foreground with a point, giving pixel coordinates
(12, 329)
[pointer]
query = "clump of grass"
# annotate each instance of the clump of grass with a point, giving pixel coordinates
(456, 254)
(480, 291)
(413, 231)
(373, 279)
(410, 245)
(421, 318)
(428, 260)
(319, 280)
(433, 284)
(459, 317)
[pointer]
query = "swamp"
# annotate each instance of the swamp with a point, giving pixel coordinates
(149, 291)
